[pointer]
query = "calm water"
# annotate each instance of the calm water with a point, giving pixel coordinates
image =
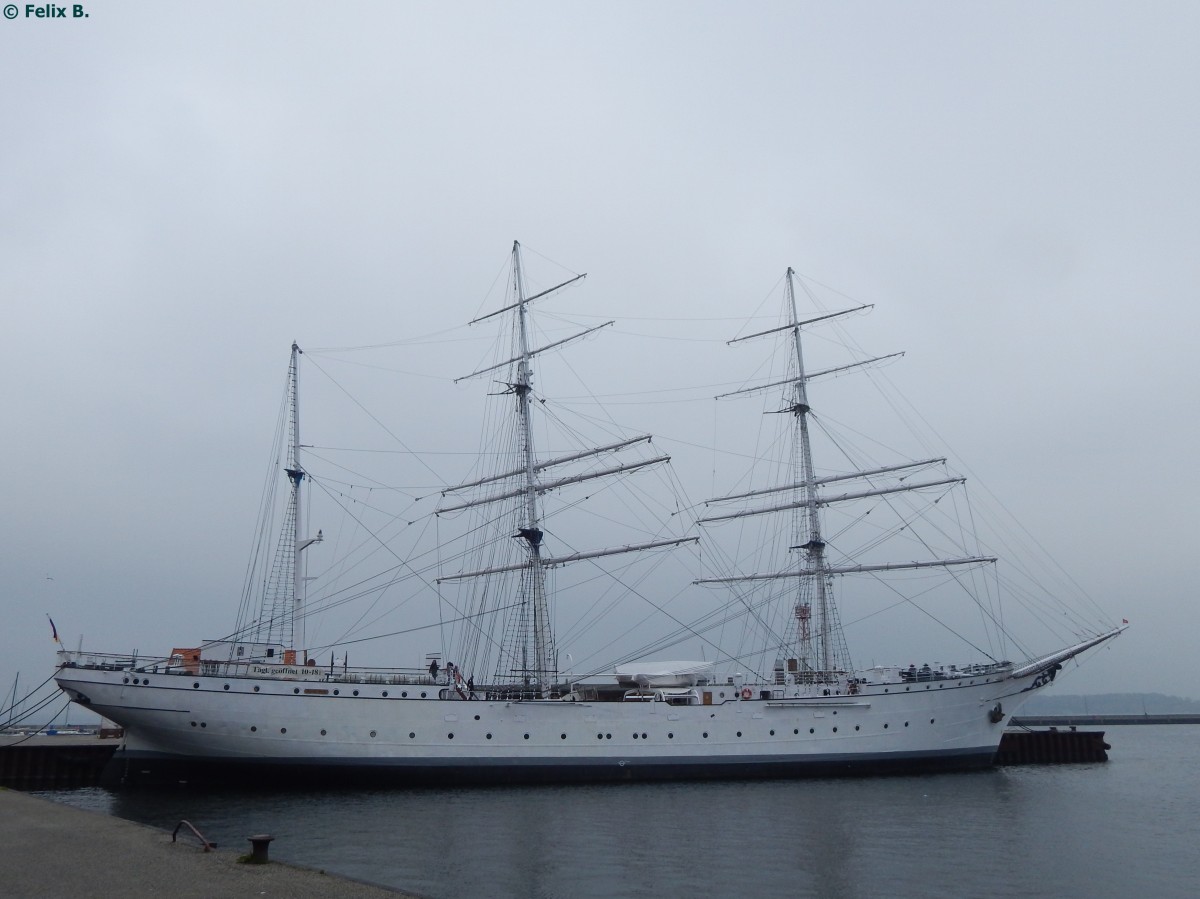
(1125, 828)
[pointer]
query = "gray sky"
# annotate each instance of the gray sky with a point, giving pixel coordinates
(189, 187)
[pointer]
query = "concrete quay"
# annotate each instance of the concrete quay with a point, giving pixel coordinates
(49, 850)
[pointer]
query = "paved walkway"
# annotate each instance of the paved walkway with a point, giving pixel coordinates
(49, 850)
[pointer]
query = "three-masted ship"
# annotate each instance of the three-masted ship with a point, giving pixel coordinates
(505, 708)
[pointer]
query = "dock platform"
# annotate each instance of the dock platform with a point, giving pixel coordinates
(60, 762)
(1052, 747)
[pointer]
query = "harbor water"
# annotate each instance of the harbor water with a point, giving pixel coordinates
(1116, 829)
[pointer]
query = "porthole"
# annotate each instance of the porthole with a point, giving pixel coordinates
(355, 692)
(906, 689)
(599, 736)
(146, 681)
(385, 694)
(886, 690)
(196, 686)
(739, 733)
(635, 736)
(295, 689)
(927, 686)
(812, 730)
(253, 729)
(670, 736)
(856, 727)
(448, 736)
(226, 687)
(906, 724)
(476, 717)
(336, 692)
(403, 694)
(796, 730)
(256, 689)
(372, 734)
(204, 724)
(411, 735)
(322, 733)
(489, 736)
(931, 721)
(562, 736)
(125, 680)
(608, 736)
(422, 695)
(283, 730)
(835, 711)
(835, 730)
(527, 736)
(772, 733)
(885, 727)
(705, 735)
(643, 736)
(193, 724)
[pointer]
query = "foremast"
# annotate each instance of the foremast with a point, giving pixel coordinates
(820, 643)
(814, 546)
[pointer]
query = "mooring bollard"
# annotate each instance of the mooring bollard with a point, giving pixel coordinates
(260, 845)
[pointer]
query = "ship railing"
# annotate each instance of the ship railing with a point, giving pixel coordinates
(272, 668)
(925, 672)
(107, 661)
(383, 676)
(377, 676)
(504, 693)
(811, 677)
(102, 661)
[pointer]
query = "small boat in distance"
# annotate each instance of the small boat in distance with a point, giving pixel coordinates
(776, 694)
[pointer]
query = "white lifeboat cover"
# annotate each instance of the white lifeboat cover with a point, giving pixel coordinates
(664, 674)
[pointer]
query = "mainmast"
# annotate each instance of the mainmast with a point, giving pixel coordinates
(531, 532)
(527, 651)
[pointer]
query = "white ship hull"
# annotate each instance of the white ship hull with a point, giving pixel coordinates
(186, 727)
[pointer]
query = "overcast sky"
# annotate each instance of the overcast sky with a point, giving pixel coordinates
(189, 187)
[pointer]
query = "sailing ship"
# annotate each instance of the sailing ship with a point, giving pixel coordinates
(504, 705)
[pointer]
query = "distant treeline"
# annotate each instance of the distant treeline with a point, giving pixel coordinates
(1111, 704)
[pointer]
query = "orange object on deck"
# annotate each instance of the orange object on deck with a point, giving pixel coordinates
(187, 659)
